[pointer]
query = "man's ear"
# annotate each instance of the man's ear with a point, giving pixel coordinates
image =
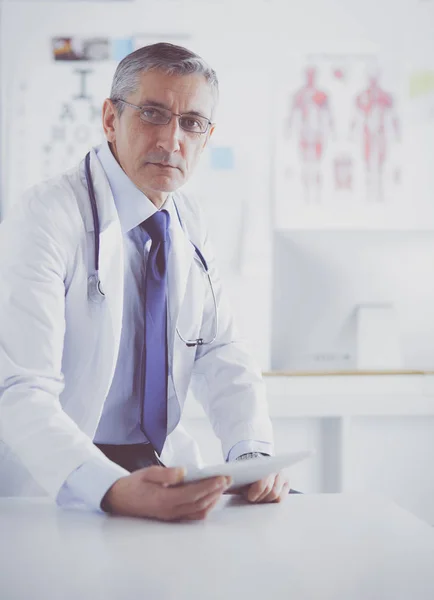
(109, 118)
(209, 134)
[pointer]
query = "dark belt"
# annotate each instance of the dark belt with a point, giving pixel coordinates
(131, 457)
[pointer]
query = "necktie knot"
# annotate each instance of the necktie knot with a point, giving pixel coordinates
(157, 226)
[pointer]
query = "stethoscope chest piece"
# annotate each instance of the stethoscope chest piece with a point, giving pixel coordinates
(94, 289)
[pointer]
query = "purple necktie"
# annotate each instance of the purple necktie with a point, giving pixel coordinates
(153, 420)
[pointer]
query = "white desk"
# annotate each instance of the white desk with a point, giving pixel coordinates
(318, 547)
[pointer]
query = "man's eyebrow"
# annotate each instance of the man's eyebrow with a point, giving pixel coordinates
(154, 103)
(162, 105)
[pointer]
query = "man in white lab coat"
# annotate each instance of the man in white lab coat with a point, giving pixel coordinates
(94, 374)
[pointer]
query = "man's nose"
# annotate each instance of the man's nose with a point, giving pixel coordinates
(169, 136)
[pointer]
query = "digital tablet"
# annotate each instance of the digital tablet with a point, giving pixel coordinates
(245, 472)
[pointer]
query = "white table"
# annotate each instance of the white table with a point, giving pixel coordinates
(325, 546)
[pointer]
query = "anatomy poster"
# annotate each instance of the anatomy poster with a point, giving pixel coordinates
(343, 142)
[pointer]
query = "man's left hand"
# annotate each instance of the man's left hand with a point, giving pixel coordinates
(273, 488)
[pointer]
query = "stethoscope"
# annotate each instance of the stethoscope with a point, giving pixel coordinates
(94, 286)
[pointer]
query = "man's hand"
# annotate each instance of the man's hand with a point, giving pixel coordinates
(148, 493)
(273, 488)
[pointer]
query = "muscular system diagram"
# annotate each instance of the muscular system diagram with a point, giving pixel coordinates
(310, 116)
(374, 113)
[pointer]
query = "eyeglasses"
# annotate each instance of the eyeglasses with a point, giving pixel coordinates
(162, 116)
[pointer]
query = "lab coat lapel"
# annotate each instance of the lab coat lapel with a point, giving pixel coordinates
(180, 261)
(111, 268)
(111, 274)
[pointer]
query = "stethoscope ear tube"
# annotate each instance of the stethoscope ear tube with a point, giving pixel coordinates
(94, 287)
(201, 341)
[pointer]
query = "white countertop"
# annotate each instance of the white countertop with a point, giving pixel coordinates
(325, 546)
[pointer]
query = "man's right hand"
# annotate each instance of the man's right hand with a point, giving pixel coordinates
(148, 493)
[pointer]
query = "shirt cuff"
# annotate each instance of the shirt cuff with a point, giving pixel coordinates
(249, 446)
(88, 484)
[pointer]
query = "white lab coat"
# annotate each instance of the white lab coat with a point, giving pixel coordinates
(58, 350)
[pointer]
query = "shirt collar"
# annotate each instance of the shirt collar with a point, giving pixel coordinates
(132, 205)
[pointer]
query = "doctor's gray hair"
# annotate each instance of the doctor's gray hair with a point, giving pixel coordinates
(164, 57)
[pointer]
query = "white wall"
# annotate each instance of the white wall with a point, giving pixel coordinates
(321, 277)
